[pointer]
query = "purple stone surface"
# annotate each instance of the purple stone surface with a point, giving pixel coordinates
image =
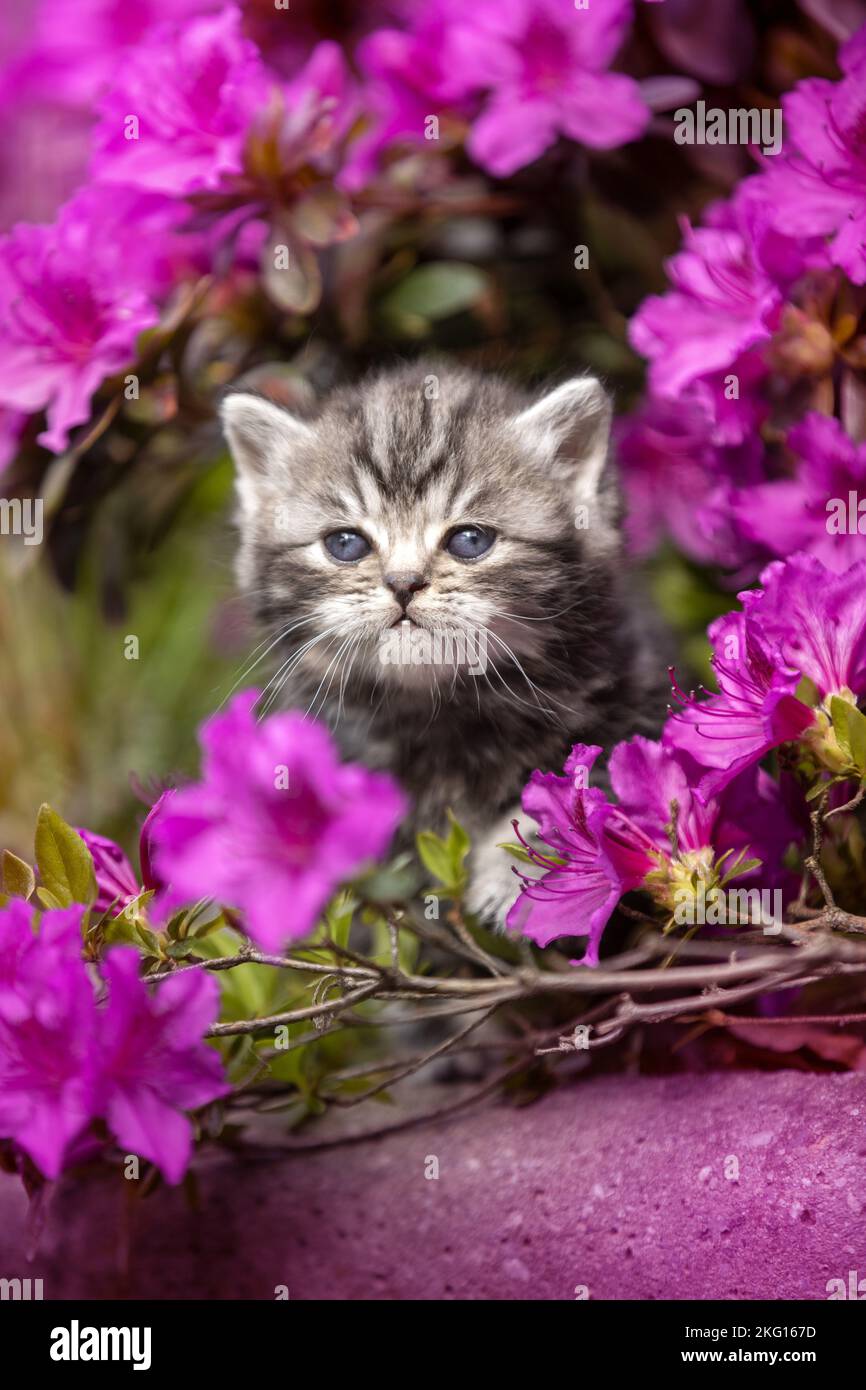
(617, 1185)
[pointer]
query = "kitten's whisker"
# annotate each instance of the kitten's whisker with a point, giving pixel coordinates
(472, 630)
(530, 618)
(354, 649)
(259, 659)
(280, 677)
(533, 687)
(535, 690)
(311, 710)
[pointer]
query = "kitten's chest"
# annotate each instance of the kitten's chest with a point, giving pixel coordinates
(442, 767)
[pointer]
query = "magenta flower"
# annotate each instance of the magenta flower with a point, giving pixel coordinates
(659, 836)
(524, 71)
(48, 1051)
(544, 66)
(276, 824)
(72, 304)
(818, 185)
(817, 619)
(191, 90)
(150, 879)
(153, 1062)
(72, 61)
(581, 883)
(720, 307)
(678, 482)
(116, 881)
(756, 708)
(816, 510)
(729, 286)
(806, 621)
(65, 1060)
(405, 82)
(256, 159)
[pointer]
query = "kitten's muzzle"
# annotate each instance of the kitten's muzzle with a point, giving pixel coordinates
(405, 586)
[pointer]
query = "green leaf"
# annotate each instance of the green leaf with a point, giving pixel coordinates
(48, 900)
(445, 858)
(516, 851)
(338, 917)
(807, 692)
(849, 725)
(820, 788)
(389, 883)
(65, 863)
(177, 950)
(738, 869)
(120, 929)
(434, 854)
(18, 879)
(435, 291)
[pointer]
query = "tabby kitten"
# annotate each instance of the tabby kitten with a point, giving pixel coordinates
(435, 560)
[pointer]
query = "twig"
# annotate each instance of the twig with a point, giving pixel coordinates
(455, 918)
(416, 1064)
(258, 958)
(259, 1025)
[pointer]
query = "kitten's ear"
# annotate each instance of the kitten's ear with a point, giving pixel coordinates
(569, 428)
(263, 438)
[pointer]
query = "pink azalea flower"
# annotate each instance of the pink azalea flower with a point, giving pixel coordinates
(813, 510)
(601, 850)
(217, 128)
(817, 619)
(678, 482)
(72, 304)
(817, 186)
(577, 896)
(729, 285)
(549, 67)
(149, 877)
(193, 89)
(756, 708)
(116, 880)
(72, 61)
(66, 1060)
(276, 824)
(153, 1062)
(805, 621)
(524, 71)
(48, 1052)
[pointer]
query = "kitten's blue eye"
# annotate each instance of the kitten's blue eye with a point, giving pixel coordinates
(347, 546)
(468, 542)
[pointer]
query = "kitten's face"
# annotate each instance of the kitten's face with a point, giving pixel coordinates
(422, 529)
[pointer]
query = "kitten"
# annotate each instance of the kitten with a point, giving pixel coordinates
(436, 560)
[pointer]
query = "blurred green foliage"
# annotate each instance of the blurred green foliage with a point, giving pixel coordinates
(78, 714)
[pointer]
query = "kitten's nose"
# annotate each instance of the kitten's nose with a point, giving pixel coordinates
(404, 587)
